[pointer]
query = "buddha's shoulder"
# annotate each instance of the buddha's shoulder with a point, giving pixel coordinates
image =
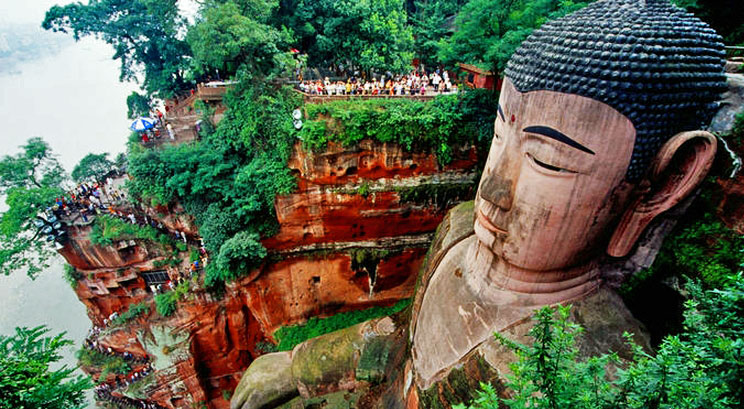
(452, 232)
(456, 226)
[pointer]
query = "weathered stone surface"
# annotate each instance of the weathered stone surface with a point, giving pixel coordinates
(339, 165)
(327, 363)
(307, 275)
(295, 289)
(83, 255)
(351, 194)
(731, 104)
(266, 384)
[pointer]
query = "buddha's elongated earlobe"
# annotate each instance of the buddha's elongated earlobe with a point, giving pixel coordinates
(680, 166)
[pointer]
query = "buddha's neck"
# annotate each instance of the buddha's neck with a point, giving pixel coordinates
(490, 276)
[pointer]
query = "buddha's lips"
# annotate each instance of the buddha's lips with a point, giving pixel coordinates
(483, 221)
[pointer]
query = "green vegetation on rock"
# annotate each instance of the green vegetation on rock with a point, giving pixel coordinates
(71, 275)
(289, 337)
(436, 126)
(229, 179)
(134, 311)
(107, 364)
(108, 229)
(140, 388)
(167, 303)
(439, 195)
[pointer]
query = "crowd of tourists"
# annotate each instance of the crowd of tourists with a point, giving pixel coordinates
(104, 393)
(143, 368)
(415, 83)
(86, 199)
(155, 132)
(92, 344)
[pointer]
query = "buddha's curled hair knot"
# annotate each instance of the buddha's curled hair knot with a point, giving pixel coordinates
(653, 62)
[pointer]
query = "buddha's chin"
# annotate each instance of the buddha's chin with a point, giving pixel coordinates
(488, 240)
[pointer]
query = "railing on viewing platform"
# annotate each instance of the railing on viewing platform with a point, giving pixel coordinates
(210, 92)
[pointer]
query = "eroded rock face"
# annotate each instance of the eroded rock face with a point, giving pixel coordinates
(352, 236)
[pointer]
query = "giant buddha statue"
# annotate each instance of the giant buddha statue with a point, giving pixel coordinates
(599, 130)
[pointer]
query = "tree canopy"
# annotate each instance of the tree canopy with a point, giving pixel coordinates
(147, 36)
(489, 31)
(138, 105)
(30, 182)
(27, 380)
(229, 37)
(366, 34)
(92, 168)
(432, 22)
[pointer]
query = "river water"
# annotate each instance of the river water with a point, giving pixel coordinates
(74, 101)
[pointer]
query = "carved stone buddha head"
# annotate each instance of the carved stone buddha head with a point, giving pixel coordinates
(596, 132)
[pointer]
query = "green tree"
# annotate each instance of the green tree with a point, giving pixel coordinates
(432, 22)
(92, 168)
(120, 160)
(146, 34)
(225, 39)
(30, 182)
(238, 254)
(489, 31)
(26, 378)
(138, 105)
(365, 34)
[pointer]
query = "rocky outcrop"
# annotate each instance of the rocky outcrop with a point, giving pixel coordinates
(351, 236)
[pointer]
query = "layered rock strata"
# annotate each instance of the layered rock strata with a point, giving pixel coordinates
(352, 236)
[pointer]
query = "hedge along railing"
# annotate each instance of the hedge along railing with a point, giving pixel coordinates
(436, 126)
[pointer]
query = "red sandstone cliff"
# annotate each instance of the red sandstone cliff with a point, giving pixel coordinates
(349, 201)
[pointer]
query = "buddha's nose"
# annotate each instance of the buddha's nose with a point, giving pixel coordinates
(497, 186)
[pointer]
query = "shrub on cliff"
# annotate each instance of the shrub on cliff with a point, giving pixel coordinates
(106, 363)
(435, 126)
(71, 275)
(167, 303)
(700, 368)
(291, 336)
(134, 311)
(107, 229)
(229, 179)
(237, 254)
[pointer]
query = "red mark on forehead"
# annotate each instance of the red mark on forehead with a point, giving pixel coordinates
(513, 118)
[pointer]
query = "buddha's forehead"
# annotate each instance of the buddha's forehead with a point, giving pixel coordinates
(591, 122)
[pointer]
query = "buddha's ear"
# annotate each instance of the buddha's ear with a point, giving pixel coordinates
(680, 166)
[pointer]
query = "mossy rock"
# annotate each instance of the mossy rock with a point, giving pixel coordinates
(267, 383)
(327, 363)
(336, 400)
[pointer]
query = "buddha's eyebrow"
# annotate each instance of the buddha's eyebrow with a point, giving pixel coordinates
(501, 113)
(558, 136)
